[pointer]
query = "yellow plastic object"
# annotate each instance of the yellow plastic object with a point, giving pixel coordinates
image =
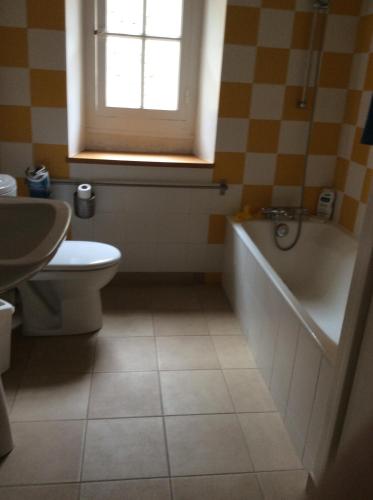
(246, 214)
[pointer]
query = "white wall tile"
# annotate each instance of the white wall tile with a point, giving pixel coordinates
(109, 228)
(346, 141)
(320, 170)
(14, 87)
(238, 63)
(46, 49)
(340, 33)
(330, 105)
(195, 257)
(288, 196)
(82, 229)
(293, 137)
(260, 169)
(355, 180)
(49, 125)
(232, 135)
(297, 67)
(139, 257)
(140, 228)
(171, 257)
(13, 13)
(364, 108)
(267, 101)
(172, 228)
(360, 219)
(197, 228)
(15, 157)
(357, 79)
(275, 28)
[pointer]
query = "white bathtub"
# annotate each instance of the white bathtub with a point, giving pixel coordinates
(291, 306)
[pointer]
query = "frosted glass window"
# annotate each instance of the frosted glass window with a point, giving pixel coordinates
(143, 69)
(125, 16)
(163, 18)
(123, 72)
(161, 74)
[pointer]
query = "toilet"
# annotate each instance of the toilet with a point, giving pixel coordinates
(65, 297)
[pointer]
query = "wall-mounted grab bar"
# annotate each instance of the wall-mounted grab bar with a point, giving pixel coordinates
(222, 186)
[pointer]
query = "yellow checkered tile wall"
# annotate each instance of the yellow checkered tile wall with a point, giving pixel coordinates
(261, 133)
(33, 115)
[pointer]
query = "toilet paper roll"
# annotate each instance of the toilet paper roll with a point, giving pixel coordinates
(84, 191)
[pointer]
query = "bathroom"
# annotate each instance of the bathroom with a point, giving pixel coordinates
(222, 366)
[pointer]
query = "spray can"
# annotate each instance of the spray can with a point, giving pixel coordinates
(38, 181)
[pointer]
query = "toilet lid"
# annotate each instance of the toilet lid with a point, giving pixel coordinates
(83, 255)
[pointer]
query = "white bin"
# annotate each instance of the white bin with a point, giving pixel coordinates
(6, 313)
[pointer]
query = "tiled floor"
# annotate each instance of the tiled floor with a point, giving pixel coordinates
(163, 403)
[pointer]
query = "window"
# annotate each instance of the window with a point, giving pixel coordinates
(142, 74)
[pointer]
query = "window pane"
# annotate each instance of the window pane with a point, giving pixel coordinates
(164, 18)
(161, 74)
(123, 72)
(124, 16)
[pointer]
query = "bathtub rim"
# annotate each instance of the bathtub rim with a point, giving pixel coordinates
(328, 347)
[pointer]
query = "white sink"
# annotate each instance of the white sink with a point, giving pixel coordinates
(31, 230)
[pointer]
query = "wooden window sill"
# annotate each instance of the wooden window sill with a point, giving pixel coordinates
(140, 159)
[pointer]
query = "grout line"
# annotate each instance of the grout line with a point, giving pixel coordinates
(160, 415)
(84, 441)
(147, 478)
(164, 424)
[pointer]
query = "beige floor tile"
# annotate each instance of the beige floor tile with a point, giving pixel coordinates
(206, 444)
(269, 444)
(180, 323)
(285, 485)
(225, 487)
(125, 448)
(59, 396)
(193, 392)
(11, 380)
(223, 323)
(136, 489)
(233, 352)
(131, 394)
(21, 350)
(248, 391)
(50, 492)
(62, 355)
(175, 298)
(125, 354)
(186, 353)
(126, 323)
(44, 452)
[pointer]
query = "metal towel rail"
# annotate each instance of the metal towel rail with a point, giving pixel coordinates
(222, 186)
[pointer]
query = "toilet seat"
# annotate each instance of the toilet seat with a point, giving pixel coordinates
(83, 256)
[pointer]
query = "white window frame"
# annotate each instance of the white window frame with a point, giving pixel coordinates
(141, 129)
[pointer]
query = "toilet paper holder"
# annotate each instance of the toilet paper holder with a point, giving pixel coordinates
(85, 208)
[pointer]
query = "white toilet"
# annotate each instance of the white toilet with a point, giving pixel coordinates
(64, 298)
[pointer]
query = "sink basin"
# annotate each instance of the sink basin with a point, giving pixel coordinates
(31, 231)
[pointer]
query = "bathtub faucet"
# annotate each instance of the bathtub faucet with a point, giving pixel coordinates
(284, 213)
